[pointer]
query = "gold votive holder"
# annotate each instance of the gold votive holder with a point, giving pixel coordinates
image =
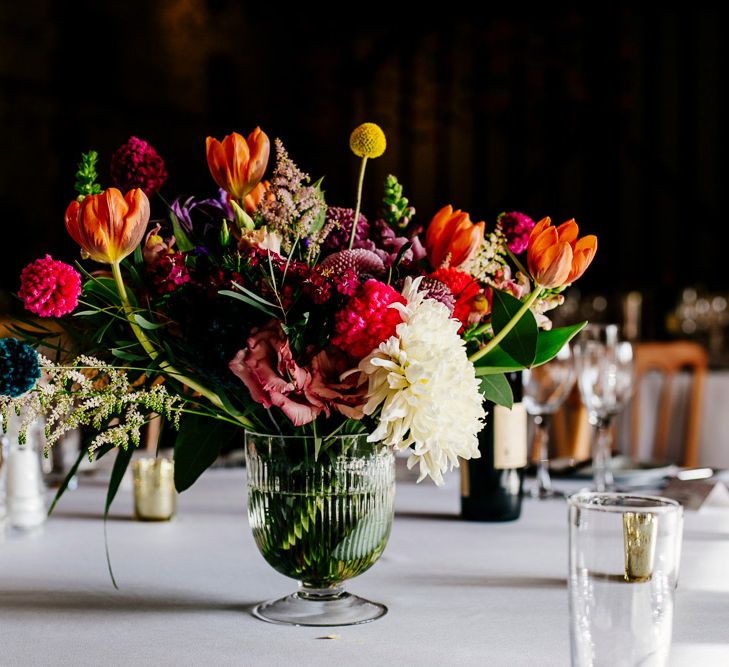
(154, 489)
(639, 540)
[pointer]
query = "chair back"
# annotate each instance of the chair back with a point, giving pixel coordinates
(669, 358)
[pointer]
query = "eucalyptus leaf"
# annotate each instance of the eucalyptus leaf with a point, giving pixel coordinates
(247, 300)
(521, 342)
(145, 323)
(496, 388)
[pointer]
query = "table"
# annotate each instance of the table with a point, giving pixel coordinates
(458, 593)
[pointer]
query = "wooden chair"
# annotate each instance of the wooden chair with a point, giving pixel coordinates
(669, 358)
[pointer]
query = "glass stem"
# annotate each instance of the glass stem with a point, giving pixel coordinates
(603, 476)
(544, 481)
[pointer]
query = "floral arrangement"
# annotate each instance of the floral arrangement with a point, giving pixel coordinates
(263, 308)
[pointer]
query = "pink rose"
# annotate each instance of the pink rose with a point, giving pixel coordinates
(267, 368)
(346, 396)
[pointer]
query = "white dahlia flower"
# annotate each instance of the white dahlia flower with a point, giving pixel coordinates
(426, 387)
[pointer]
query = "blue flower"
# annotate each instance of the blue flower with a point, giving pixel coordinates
(19, 367)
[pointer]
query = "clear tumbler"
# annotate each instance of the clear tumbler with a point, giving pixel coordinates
(624, 553)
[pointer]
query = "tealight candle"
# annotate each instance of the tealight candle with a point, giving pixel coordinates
(154, 489)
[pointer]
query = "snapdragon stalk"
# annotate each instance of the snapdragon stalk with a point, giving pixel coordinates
(509, 326)
(153, 354)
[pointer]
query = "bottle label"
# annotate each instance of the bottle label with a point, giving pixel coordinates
(510, 436)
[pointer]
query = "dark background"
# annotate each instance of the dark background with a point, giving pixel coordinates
(616, 118)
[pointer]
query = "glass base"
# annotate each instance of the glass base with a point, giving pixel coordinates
(313, 609)
(545, 494)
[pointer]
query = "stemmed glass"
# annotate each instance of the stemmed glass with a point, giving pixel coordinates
(605, 377)
(545, 389)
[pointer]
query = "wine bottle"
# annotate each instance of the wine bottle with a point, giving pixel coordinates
(492, 486)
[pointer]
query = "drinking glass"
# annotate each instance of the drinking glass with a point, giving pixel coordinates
(605, 373)
(624, 553)
(545, 388)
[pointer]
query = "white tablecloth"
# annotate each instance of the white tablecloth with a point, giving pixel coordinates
(458, 593)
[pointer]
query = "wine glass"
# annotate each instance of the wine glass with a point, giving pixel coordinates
(545, 389)
(605, 372)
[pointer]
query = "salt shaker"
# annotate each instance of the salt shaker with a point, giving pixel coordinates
(25, 489)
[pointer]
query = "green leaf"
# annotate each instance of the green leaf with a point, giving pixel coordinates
(197, 445)
(64, 484)
(551, 342)
(521, 342)
(123, 458)
(127, 356)
(247, 300)
(496, 361)
(254, 296)
(145, 323)
(496, 388)
(181, 239)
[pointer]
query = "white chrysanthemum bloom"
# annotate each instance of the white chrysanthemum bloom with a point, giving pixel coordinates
(426, 387)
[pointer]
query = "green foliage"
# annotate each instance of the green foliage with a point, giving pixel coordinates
(496, 388)
(521, 342)
(86, 175)
(397, 210)
(197, 445)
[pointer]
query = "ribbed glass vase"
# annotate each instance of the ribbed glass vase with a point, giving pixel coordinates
(321, 512)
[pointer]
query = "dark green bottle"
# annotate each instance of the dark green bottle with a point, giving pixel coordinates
(492, 486)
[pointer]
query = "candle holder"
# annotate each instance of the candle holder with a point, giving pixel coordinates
(154, 489)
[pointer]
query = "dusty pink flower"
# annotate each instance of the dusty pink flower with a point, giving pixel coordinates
(267, 368)
(135, 164)
(345, 395)
(367, 320)
(155, 246)
(49, 288)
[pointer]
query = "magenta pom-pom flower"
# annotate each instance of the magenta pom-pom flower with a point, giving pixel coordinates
(49, 287)
(367, 320)
(135, 164)
(516, 227)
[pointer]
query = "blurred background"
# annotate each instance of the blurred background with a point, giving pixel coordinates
(615, 118)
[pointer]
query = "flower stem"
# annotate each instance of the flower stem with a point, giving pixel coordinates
(153, 353)
(359, 202)
(509, 326)
(519, 265)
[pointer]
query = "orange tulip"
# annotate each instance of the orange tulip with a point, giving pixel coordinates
(108, 226)
(237, 164)
(452, 237)
(554, 254)
(256, 196)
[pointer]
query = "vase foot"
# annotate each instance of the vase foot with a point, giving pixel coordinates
(295, 609)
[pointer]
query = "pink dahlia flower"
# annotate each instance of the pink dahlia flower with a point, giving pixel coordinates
(267, 368)
(367, 320)
(135, 164)
(49, 288)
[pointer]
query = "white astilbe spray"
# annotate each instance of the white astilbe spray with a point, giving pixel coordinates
(89, 392)
(426, 387)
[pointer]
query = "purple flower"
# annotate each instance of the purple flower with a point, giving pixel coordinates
(135, 164)
(211, 210)
(338, 222)
(516, 227)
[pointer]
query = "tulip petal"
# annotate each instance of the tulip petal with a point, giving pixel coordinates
(584, 253)
(568, 232)
(556, 264)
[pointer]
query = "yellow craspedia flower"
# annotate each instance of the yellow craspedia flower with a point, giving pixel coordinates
(368, 140)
